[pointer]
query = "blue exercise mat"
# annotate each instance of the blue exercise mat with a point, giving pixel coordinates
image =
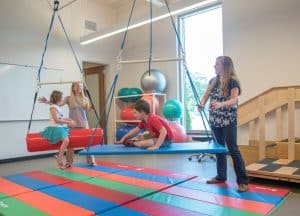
(175, 148)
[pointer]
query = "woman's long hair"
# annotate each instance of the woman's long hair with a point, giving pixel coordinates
(82, 99)
(228, 73)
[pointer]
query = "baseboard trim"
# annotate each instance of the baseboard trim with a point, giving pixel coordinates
(31, 157)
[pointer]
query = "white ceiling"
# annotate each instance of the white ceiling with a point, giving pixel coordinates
(121, 3)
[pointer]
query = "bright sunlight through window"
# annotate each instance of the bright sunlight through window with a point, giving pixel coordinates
(203, 42)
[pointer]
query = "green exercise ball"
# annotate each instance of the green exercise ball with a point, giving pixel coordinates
(172, 109)
(134, 91)
(124, 92)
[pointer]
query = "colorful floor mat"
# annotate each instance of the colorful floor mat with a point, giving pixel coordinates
(117, 189)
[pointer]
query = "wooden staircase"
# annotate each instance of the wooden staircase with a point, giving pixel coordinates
(252, 114)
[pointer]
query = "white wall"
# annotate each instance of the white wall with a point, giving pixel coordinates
(263, 39)
(24, 25)
(261, 36)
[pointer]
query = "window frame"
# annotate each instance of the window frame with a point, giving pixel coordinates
(181, 30)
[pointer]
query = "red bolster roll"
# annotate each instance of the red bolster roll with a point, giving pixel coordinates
(79, 138)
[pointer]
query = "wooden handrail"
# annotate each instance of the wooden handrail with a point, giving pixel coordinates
(268, 90)
(274, 98)
(254, 112)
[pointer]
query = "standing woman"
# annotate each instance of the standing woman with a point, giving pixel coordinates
(223, 91)
(78, 105)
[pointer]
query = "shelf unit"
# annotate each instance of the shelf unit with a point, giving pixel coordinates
(119, 105)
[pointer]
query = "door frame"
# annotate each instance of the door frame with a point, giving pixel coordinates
(99, 69)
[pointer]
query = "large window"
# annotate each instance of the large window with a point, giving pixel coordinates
(202, 37)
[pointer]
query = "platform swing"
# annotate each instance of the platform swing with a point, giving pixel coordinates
(78, 138)
(178, 148)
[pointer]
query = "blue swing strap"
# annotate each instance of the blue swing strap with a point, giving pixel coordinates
(195, 93)
(79, 67)
(128, 23)
(55, 11)
(150, 37)
(109, 97)
(108, 103)
(56, 4)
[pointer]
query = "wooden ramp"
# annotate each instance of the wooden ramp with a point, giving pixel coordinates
(282, 169)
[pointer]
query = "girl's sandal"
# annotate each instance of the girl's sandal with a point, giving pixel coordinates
(91, 162)
(59, 163)
(68, 165)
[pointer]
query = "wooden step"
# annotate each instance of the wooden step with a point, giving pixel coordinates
(282, 169)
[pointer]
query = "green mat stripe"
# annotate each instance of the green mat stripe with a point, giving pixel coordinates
(12, 206)
(161, 197)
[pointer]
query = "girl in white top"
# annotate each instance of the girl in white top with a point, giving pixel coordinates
(57, 132)
(78, 106)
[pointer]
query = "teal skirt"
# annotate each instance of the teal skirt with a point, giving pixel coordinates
(55, 134)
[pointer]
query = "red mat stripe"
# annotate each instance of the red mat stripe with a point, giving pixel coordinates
(12, 189)
(53, 206)
(121, 178)
(242, 204)
(155, 208)
(120, 198)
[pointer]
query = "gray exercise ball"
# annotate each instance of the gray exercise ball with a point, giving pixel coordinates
(155, 82)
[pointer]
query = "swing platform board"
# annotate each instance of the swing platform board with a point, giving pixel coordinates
(175, 148)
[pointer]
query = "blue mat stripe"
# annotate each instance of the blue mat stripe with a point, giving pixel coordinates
(231, 192)
(28, 182)
(136, 174)
(122, 212)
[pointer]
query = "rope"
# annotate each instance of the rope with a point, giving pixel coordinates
(91, 101)
(70, 45)
(111, 99)
(128, 23)
(67, 4)
(197, 99)
(56, 3)
(150, 38)
(109, 96)
(108, 100)
(45, 46)
(55, 11)
(78, 64)
(195, 93)
(34, 101)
